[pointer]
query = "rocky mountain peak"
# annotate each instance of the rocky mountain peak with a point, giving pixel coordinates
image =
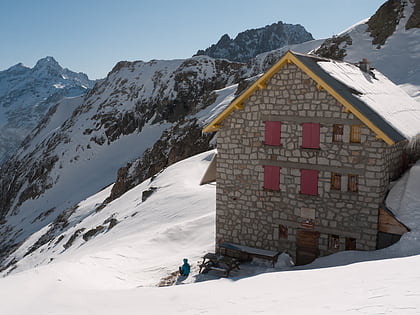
(49, 66)
(18, 69)
(26, 94)
(47, 62)
(248, 44)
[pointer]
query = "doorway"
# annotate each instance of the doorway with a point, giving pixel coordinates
(306, 246)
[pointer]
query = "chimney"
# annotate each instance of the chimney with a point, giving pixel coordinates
(364, 65)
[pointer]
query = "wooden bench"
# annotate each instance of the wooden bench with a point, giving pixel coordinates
(220, 263)
(249, 252)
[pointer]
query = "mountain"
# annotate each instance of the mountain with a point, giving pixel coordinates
(132, 125)
(26, 94)
(389, 40)
(246, 45)
(111, 261)
(79, 146)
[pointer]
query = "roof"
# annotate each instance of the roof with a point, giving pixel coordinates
(380, 104)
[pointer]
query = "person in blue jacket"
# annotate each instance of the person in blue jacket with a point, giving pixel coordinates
(184, 270)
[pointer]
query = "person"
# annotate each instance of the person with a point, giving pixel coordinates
(184, 270)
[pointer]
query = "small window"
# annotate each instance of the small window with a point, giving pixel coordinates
(309, 182)
(338, 131)
(350, 243)
(333, 242)
(271, 177)
(353, 185)
(355, 133)
(335, 181)
(310, 135)
(283, 232)
(272, 132)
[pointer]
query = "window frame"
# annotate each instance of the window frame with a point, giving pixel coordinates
(272, 177)
(283, 232)
(338, 132)
(333, 242)
(351, 183)
(311, 135)
(356, 133)
(272, 133)
(309, 180)
(351, 243)
(336, 181)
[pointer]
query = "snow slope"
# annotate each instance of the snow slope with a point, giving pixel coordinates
(117, 271)
(398, 58)
(27, 93)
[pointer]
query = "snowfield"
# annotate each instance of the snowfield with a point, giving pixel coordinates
(118, 271)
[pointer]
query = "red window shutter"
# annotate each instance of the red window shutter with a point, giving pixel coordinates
(310, 135)
(309, 182)
(272, 132)
(272, 177)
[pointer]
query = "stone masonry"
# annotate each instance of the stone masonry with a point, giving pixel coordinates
(248, 214)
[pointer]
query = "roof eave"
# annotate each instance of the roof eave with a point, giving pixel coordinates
(289, 57)
(237, 103)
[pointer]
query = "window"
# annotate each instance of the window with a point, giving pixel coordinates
(310, 135)
(353, 185)
(338, 131)
(309, 182)
(350, 243)
(272, 132)
(272, 177)
(283, 232)
(333, 242)
(335, 181)
(355, 133)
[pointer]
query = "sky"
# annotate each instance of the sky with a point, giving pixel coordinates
(91, 36)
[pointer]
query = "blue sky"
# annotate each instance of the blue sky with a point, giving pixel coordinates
(91, 36)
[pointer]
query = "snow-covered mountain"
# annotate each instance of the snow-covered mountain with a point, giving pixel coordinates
(27, 93)
(80, 145)
(112, 260)
(390, 40)
(247, 45)
(143, 117)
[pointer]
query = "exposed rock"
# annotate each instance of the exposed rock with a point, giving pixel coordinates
(147, 193)
(93, 232)
(26, 95)
(250, 43)
(335, 47)
(73, 238)
(384, 22)
(181, 141)
(414, 20)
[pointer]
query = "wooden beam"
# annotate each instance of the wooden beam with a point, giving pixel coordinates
(239, 106)
(389, 224)
(262, 85)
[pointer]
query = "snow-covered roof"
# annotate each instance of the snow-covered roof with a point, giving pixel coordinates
(374, 90)
(379, 103)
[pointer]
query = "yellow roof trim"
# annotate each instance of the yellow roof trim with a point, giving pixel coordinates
(340, 99)
(261, 83)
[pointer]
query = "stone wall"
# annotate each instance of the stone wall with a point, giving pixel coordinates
(250, 215)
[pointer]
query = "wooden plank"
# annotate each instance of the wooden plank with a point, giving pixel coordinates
(306, 246)
(389, 224)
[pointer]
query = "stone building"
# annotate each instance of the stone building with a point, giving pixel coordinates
(306, 155)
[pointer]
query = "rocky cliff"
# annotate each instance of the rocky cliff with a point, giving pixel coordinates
(26, 94)
(247, 45)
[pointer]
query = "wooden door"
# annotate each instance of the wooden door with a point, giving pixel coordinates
(306, 246)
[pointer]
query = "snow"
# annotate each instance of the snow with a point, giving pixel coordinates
(402, 66)
(404, 199)
(117, 272)
(380, 94)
